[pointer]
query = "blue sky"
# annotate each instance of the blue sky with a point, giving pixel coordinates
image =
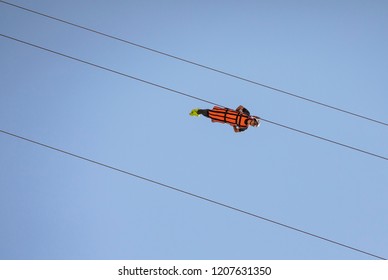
(53, 206)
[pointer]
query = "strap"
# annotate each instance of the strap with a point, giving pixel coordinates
(238, 118)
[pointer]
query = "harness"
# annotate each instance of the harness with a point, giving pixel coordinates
(230, 116)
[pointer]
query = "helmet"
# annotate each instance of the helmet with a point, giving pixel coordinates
(257, 120)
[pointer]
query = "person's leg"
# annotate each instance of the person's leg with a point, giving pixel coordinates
(197, 112)
(203, 112)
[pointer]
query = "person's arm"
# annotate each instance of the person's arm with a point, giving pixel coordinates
(240, 108)
(236, 129)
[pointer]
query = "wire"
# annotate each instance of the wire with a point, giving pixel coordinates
(188, 95)
(198, 64)
(325, 139)
(188, 193)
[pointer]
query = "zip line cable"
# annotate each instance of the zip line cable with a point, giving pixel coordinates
(188, 193)
(197, 64)
(188, 95)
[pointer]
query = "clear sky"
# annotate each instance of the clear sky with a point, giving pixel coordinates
(53, 206)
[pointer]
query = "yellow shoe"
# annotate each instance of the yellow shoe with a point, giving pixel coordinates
(194, 113)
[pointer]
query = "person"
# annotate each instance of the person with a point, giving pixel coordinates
(240, 119)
